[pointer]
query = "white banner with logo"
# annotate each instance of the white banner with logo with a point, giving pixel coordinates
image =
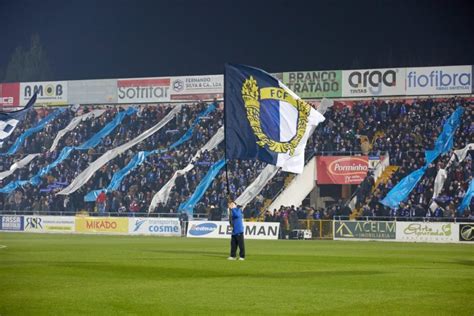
(143, 90)
(439, 80)
(221, 229)
(373, 82)
(49, 224)
(197, 87)
(154, 226)
(427, 232)
(49, 93)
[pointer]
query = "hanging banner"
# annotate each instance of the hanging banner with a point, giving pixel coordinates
(92, 91)
(314, 84)
(197, 87)
(373, 82)
(439, 80)
(9, 94)
(49, 93)
(145, 90)
(341, 169)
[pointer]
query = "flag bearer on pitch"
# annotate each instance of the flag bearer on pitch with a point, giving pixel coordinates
(236, 219)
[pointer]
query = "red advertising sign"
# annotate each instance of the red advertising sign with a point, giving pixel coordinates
(342, 169)
(9, 94)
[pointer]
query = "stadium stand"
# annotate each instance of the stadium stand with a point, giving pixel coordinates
(402, 128)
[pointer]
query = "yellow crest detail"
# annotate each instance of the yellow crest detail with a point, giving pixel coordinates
(251, 97)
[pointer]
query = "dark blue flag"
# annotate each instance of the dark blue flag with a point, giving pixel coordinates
(9, 120)
(265, 120)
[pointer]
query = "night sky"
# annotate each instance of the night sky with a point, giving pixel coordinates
(117, 39)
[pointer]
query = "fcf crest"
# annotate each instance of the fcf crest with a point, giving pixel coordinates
(254, 97)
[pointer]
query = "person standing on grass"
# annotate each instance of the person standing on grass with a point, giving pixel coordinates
(236, 219)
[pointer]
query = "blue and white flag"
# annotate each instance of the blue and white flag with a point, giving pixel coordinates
(265, 120)
(9, 120)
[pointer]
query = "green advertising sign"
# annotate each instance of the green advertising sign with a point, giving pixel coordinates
(314, 84)
(364, 230)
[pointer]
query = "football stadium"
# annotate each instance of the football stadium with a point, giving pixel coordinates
(250, 190)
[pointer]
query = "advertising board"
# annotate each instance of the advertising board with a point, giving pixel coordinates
(197, 87)
(9, 94)
(92, 91)
(49, 224)
(221, 229)
(11, 223)
(439, 80)
(342, 169)
(154, 226)
(373, 82)
(144, 90)
(314, 84)
(427, 232)
(103, 225)
(466, 232)
(364, 230)
(49, 93)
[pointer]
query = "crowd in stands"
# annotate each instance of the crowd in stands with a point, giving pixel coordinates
(402, 129)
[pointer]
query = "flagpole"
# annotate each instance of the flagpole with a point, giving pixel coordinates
(225, 138)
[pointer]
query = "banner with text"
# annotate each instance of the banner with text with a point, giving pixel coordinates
(143, 90)
(101, 225)
(439, 80)
(253, 230)
(154, 226)
(314, 84)
(9, 94)
(341, 169)
(373, 82)
(49, 92)
(49, 224)
(197, 87)
(427, 232)
(11, 223)
(364, 230)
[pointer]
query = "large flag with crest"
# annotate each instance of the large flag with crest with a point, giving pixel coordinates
(265, 120)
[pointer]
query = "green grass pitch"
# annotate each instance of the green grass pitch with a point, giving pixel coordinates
(121, 275)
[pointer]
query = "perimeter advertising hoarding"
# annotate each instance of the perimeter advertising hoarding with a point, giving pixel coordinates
(197, 87)
(9, 94)
(92, 91)
(466, 232)
(439, 80)
(373, 82)
(342, 169)
(154, 226)
(314, 84)
(49, 224)
(364, 230)
(143, 90)
(101, 225)
(49, 93)
(11, 223)
(253, 230)
(427, 232)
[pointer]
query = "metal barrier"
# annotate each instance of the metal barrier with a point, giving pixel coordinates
(320, 229)
(105, 214)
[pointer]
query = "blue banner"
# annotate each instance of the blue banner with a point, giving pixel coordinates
(66, 151)
(401, 191)
(188, 206)
(38, 127)
(443, 144)
(466, 201)
(141, 156)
